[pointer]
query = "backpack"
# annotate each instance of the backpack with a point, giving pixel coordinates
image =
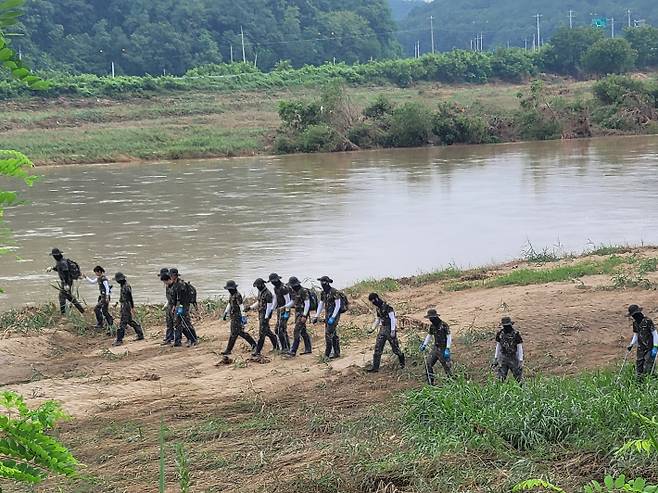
(507, 344)
(344, 302)
(191, 293)
(313, 298)
(74, 269)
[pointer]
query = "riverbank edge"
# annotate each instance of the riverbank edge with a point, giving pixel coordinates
(43, 316)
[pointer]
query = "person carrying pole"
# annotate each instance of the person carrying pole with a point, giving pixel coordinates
(387, 324)
(234, 309)
(442, 343)
(302, 304)
(68, 272)
(264, 304)
(282, 304)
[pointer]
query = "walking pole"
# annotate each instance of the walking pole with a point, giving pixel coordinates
(621, 371)
(427, 372)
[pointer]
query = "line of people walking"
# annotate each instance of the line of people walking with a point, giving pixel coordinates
(181, 296)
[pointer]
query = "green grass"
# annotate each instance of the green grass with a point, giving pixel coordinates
(451, 272)
(385, 285)
(30, 319)
(525, 277)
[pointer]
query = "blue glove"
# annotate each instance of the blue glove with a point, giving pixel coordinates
(244, 320)
(331, 321)
(422, 348)
(285, 315)
(180, 310)
(446, 354)
(654, 351)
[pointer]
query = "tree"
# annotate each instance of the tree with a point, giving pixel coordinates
(565, 53)
(609, 56)
(644, 40)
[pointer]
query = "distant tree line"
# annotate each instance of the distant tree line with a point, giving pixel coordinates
(171, 36)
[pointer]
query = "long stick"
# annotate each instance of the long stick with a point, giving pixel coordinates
(623, 365)
(427, 371)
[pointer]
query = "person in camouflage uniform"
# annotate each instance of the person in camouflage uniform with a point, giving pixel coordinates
(102, 308)
(509, 351)
(441, 349)
(302, 304)
(66, 281)
(387, 324)
(234, 310)
(170, 307)
(127, 311)
(264, 304)
(282, 304)
(180, 309)
(330, 301)
(646, 339)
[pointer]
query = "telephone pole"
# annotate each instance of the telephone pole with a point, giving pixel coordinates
(432, 30)
(231, 52)
(628, 12)
(612, 26)
(481, 41)
(244, 56)
(571, 12)
(538, 16)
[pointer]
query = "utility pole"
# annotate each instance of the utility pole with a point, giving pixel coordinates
(628, 12)
(612, 26)
(112, 65)
(538, 16)
(525, 44)
(481, 41)
(432, 30)
(471, 44)
(418, 44)
(571, 12)
(231, 52)
(534, 43)
(244, 56)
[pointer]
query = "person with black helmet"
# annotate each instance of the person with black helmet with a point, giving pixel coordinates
(282, 304)
(181, 312)
(442, 342)
(646, 339)
(509, 351)
(234, 310)
(127, 311)
(68, 272)
(387, 324)
(264, 304)
(331, 303)
(302, 303)
(102, 308)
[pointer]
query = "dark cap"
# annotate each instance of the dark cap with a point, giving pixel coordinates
(293, 281)
(165, 276)
(274, 277)
(506, 322)
(173, 271)
(231, 285)
(164, 270)
(373, 296)
(432, 314)
(98, 268)
(118, 277)
(56, 252)
(259, 281)
(326, 279)
(633, 309)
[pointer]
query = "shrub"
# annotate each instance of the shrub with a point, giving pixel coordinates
(299, 115)
(411, 126)
(452, 125)
(319, 138)
(609, 56)
(379, 107)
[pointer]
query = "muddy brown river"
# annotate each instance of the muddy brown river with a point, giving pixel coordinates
(351, 216)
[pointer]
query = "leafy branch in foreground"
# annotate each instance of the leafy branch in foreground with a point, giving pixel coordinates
(27, 453)
(646, 446)
(610, 485)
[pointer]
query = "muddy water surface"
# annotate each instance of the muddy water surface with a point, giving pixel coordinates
(352, 216)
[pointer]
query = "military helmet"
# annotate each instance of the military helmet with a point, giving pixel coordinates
(119, 277)
(325, 279)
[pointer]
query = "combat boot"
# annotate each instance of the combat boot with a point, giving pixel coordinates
(376, 361)
(402, 361)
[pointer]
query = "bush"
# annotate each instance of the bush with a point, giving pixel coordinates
(613, 89)
(319, 138)
(411, 126)
(379, 107)
(453, 125)
(609, 56)
(299, 115)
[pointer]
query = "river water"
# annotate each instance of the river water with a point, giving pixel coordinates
(351, 216)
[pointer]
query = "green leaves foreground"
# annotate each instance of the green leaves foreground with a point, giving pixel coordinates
(10, 11)
(15, 165)
(27, 453)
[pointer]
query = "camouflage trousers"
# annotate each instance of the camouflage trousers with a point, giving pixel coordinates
(300, 334)
(332, 342)
(237, 330)
(507, 364)
(264, 332)
(644, 362)
(127, 320)
(431, 360)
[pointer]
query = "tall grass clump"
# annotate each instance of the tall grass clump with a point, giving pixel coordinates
(590, 413)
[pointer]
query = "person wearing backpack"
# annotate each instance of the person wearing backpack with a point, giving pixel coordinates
(441, 350)
(302, 303)
(102, 308)
(645, 337)
(182, 298)
(169, 307)
(69, 272)
(234, 310)
(264, 304)
(387, 324)
(333, 302)
(282, 304)
(127, 311)
(509, 351)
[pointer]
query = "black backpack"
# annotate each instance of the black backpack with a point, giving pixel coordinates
(191, 293)
(508, 344)
(74, 269)
(344, 302)
(313, 298)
